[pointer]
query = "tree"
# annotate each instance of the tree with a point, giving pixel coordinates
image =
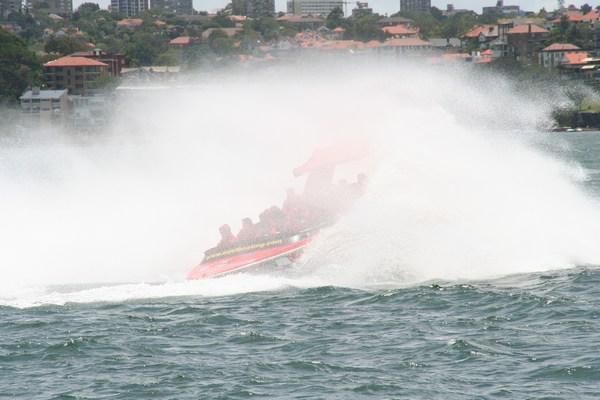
(437, 13)
(65, 45)
(144, 48)
(19, 67)
(367, 28)
(220, 43)
(267, 27)
(87, 9)
(586, 8)
(335, 18)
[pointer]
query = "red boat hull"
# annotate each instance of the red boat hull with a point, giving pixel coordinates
(248, 256)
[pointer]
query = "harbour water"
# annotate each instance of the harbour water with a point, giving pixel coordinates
(523, 335)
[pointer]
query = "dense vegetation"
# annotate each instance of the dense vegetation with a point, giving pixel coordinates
(19, 66)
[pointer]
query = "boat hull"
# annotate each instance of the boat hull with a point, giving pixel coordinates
(249, 256)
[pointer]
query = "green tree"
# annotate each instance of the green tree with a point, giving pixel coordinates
(19, 67)
(267, 27)
(335, 18)
(144, 48)
(586, 8)
(65, 45)
(220, 43)
(367, 28)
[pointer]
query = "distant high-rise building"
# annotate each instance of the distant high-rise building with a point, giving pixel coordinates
(362, 9)
(59, 7)
(254, 8)
(417, 6)
(128, 8)
(180, 7)
(8, 7)
(313, 7)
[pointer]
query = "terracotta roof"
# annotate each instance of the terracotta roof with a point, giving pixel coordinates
(561, 47)
(521, 29)
(237, 18)
(488, 52)
(69, 61)
(339, 29)
(592, 16)
(575, 58)
(486, 30)
(572, 16)
(399, 30)
(406, 43)
(130, 22)
(183, 41)
(372, 44)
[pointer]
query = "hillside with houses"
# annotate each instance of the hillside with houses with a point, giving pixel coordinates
(58, 61)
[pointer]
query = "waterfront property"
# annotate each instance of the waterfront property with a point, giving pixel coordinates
(552, 56)
(76, 74)
(45, 106)
(115, 62)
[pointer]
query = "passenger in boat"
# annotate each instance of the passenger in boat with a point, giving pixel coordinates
(227, 237)
(248, 231)
(360, 186)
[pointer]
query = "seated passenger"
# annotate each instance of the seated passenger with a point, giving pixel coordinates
(227, 237)
(248, 231)
(360, 186)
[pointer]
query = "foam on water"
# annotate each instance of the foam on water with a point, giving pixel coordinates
(459, 186)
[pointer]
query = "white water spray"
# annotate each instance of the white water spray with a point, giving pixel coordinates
(457, 192)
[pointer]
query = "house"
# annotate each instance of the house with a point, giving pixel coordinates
(525, 42)
(184, 41)
(76, 74)
(553, 55)
(401, 32)
(405, 46)
(302, 22)
(130, 23)
(47, 105)
(115, 62)
(480, 36)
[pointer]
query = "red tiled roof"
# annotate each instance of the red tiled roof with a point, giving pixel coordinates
(488, 52)
(183, 41)
(592, 16)
(486, 30)
(406, 42)
(339, 29)
(237, 18)
(130, 22)
(69, 61)
(572, 16)
(521, 29)
(399, 30)
(561, 47)
(575, 58)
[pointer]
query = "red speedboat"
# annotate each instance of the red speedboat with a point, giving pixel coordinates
(283, 249)
(274, 251)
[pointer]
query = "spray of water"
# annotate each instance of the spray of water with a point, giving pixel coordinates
(457, 189)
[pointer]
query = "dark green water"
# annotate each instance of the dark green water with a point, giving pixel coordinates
(515, 337)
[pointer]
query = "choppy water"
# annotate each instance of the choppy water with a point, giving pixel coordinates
(519, 336)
